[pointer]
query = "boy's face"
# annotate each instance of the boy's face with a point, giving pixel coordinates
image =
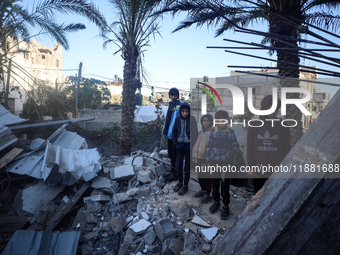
(185, 113)
(222, 127)
(173, 97)
(206, 122)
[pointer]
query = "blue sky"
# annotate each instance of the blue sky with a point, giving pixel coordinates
(171, 60)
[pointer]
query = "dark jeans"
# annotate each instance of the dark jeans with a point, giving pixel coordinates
(172, 155)
(258, 183)
(183, 152)
(225, 184)
(203, 178)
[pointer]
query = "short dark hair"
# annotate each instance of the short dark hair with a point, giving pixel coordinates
(221, 114)
(174, 91)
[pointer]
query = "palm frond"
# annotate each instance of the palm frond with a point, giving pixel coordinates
(325, 20)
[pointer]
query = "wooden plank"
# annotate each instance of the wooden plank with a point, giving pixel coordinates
(9, 156)
(295, 213)
(71, 203)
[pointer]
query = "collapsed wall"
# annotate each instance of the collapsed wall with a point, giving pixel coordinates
(296, 213)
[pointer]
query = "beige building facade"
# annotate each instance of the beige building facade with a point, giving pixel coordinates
(31, 62)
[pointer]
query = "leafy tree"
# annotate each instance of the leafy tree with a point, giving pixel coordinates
(130, 32)
(286, 20)
(93, 93)
(17, 23)
(43, 99)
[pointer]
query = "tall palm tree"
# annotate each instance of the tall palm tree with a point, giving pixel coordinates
(17, 24)
(285, 18)
(131, 32)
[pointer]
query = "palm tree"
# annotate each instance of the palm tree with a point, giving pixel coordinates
(131, 33)
(17, 24)
(285, 18)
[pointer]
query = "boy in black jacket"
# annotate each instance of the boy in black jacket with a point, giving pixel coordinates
(181, 136)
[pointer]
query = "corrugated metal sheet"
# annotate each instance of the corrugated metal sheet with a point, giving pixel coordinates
(79, 163)
(7, 118)
(34, 163)
(42, 243)
(6, 137)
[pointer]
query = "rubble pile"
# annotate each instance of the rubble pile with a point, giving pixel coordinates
(132, 210)
(128, 208)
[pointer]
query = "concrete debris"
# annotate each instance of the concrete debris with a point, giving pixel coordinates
(122, 173)
(121, 197)
(209, 233)
(140, 226)
(27, 199)
(131, 210)
(135, 161)
(165, 229)
(143, 176)
(172, 247)
(199, 221)
(104, 183)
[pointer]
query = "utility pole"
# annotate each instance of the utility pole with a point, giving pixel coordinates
(7, 83)
(77, 88)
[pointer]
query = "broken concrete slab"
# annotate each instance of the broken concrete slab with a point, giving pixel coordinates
(208, 234)
(135, 161)
(149, 237)
(180, 208)
(93, 207)
(161, 169)
(143, 176)
(121, 197)
(132, 191)
(172, 246)
(165, 229)
(117, 224)
(35, 197)
(140, 227)
(104, 183)
(199, 221)
(122, 173)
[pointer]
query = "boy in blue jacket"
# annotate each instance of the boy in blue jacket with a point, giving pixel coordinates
(170, 118)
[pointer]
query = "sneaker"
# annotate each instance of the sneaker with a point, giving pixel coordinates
(214, 207)
(205, 199)
(200, 193)
(224, 213)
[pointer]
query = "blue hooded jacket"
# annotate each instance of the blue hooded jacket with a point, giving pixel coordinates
(171, 115)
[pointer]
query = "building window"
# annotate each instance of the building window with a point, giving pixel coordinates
(254, 90)
(57, 63)
(26, 55)
(43, 56)
(8, 46)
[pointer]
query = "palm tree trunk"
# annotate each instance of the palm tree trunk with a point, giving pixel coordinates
(128, 102)
(278, 26)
